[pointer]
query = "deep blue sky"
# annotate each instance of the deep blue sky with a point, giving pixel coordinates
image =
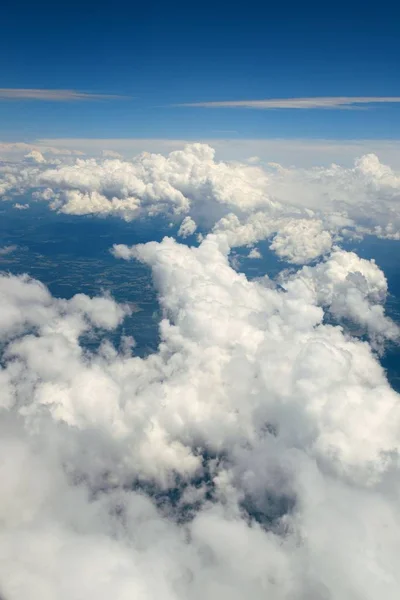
(170, 53)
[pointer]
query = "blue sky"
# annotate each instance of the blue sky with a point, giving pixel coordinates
(168, 54)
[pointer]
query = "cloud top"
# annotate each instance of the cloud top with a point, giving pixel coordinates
(304, 212)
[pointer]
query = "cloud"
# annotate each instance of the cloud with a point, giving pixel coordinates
(299, 152)
(111, 154)
(302, 211)
(19, 151)
(300, 241)
(155, 184)
(35, 156)
(254, 253)
(254, 454)
(187, 227)
(5, 250)
(329, 102)
(53, 95)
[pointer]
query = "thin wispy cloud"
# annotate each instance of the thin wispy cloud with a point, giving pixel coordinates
(328, 102)
(53, 95)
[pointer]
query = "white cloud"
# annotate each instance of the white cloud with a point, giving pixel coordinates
(188, 227)
(352, 288)
(16, 179)
(301, 240)
(329, 102)
(255, 454)
(19, 151)
(35, 156)
(52, 95)
(111, 154)
(254, 253)
(5, 250)
(304, 210)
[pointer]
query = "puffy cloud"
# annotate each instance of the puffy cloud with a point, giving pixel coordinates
(16, 179)
(158, 183)
(254, 454)
(352, 288)
(35, 156)
(302, 211)
(254, 253)
(74, 202)
(187, 227)
(301, 241)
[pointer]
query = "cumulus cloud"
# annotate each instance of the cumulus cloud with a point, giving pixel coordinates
(16, 179)
(302, 211)
(352, 288)
(35, 156)
(158, 183)
(254, 253)
(302, 240)
(254, 454)
(187, 227)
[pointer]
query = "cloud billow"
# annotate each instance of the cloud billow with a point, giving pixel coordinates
(255, 453)
(304, 212)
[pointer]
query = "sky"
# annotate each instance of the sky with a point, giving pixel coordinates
(200, 301)
(162, 55)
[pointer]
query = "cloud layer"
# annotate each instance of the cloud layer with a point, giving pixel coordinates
(301, 152)
(255, 454)
(303, 211)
